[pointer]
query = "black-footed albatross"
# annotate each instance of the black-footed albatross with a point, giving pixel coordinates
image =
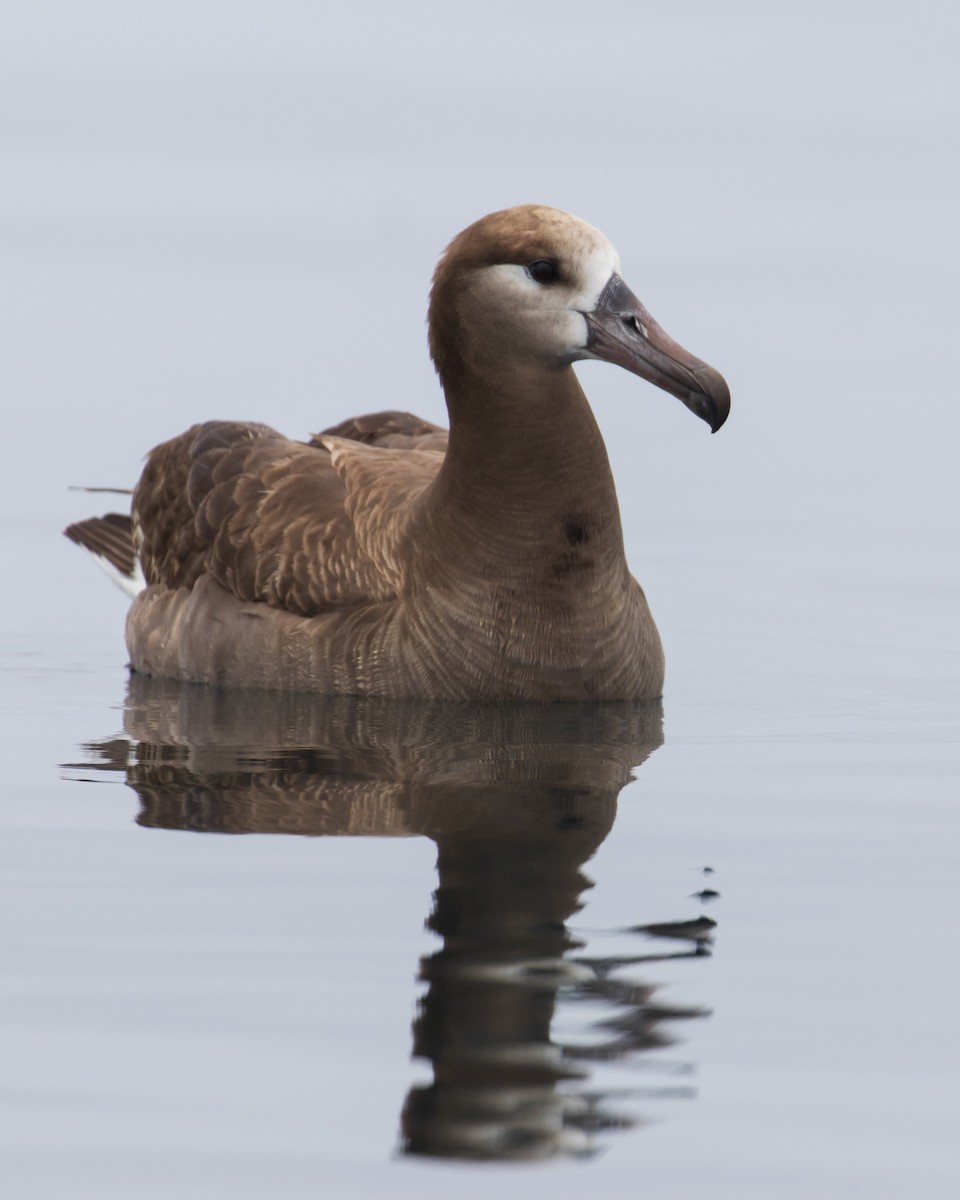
(386, 557)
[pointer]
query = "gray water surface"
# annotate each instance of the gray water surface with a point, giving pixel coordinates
(249, 948)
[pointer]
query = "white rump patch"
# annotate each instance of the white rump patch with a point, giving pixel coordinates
(130, 585)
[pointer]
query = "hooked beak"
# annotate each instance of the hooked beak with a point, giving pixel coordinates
(621, 331)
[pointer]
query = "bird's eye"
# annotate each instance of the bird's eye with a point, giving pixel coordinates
(542, 270)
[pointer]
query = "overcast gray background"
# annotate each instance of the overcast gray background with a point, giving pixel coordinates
(213, 209)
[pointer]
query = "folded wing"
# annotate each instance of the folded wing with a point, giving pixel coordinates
(302, 527)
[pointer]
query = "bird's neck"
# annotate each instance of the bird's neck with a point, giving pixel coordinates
(526, 470)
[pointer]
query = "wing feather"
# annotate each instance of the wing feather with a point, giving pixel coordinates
(382, 488)
(303, 527)
(389, 430)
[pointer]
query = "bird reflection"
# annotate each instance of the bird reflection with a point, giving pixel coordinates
(517, 799)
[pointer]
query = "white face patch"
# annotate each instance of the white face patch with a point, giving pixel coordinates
(594, 267)
(545, 320)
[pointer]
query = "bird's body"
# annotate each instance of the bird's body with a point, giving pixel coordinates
(385, 557)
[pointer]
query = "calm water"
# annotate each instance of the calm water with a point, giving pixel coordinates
(256, 947)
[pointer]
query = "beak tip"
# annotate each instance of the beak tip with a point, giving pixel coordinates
(714, 399)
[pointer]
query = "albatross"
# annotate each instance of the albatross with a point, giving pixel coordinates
(388, 557)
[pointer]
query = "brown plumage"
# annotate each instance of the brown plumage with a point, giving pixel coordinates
(383, 557)
(110, 537)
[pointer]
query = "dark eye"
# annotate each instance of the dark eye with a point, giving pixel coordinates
(542, 270)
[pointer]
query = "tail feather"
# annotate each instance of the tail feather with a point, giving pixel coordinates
(110, 539)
